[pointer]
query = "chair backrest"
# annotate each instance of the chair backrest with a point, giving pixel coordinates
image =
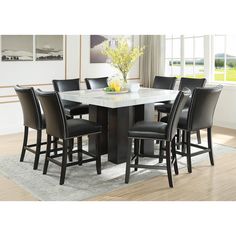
(54, 115)
(30, 106)
(202, 107)
(66, 85)
(163, 82)
(96, 83)
(176, 111)
(191, 83)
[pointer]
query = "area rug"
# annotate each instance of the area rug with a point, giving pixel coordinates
(82, 182)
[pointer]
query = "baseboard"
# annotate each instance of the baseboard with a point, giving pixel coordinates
(225, 124)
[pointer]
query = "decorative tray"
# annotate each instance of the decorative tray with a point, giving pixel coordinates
(114, 92)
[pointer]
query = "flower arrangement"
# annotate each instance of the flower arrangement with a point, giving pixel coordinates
(114, 84)
(122, 57)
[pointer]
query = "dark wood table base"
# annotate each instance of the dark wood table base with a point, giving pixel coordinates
(116, 123)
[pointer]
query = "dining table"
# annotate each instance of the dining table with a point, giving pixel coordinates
(116, 113)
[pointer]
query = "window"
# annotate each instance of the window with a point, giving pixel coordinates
(184, 56)
(173, 56)
(224, 58)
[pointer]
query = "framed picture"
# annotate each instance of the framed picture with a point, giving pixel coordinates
(17, 47)
(96, 46)
(49, 47)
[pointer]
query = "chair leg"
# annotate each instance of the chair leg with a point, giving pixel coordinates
(136, 152)
(189, 164)
(38, 148)
(178, 138)
(45, 168)
(98, 155)
(70, 148)
(25, 140)
(174, 157)
(168, 164)
(158, 116)
(161, 152)
(79, 147)
(127, 172)
(199, 140)
(209, 139)
(55, 145)
(183, 146)
(64, 162)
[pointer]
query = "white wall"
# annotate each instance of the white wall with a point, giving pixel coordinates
(90, 70)
(12, 73)
(225, 114)
(43, 72)
(32, 72)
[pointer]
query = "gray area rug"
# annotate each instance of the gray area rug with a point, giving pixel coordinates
(82, 182)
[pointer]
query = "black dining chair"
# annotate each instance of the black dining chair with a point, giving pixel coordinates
(96, 83)
(190, 83)
(71, 108)
(59, 127)
(157, 131)
(199, 116)
(33, 119)
(163, 82)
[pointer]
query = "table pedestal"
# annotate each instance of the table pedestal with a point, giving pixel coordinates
(116, 123)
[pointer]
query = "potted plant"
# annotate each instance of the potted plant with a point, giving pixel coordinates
(122, 56)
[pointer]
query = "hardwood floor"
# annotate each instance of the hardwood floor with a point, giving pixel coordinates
(205, 183)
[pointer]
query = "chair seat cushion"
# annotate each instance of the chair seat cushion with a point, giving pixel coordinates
(75, 108)
(152, 130)
(163, 108)
(182, 120)
(79, 127)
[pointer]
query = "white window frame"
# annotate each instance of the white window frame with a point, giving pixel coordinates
(182, 54)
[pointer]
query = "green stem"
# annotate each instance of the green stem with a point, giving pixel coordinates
(124, 76)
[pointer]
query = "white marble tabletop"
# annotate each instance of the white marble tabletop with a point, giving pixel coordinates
(99, 98)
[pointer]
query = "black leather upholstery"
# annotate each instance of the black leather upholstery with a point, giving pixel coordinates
(202, 107)
(163, 82)
(71, 108)
(201, 110)
(79, 127)
(182, 119)
(75, 108)
(32, 114)
(189, 83)
(158, 130)
(152, 130)
(66, 85)
(164, 107)
(57, 124)
(96, 83)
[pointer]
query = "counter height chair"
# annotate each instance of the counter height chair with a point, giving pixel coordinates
(163, 82)
(96, 83)
(59, 127)
(190, 83)
(33, 119)
(157, 131)
(199, 116)
(71, 108)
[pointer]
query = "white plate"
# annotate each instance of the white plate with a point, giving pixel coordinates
(121, 92)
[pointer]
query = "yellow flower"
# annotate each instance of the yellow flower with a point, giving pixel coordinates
(122, 57)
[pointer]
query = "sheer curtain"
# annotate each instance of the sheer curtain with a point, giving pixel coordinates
(152, 62)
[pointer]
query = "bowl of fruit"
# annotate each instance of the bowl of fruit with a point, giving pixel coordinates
(115, 86)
